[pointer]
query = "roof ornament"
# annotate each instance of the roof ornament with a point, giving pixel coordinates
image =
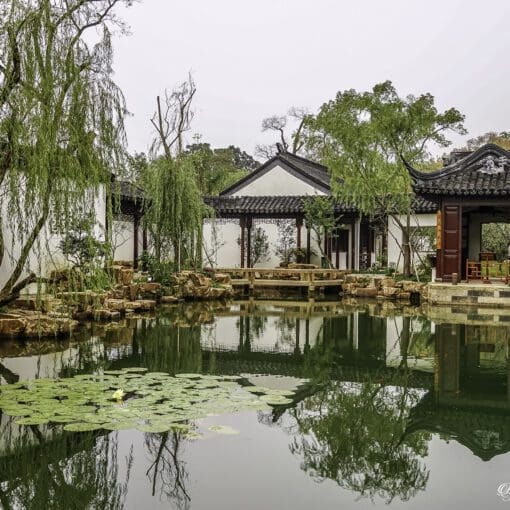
(489, 165)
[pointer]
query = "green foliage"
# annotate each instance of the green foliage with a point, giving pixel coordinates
(502, 139)
(364, 135)
(320, 218)
(286, 243)
(160, 271)
(217, 169)
(259, 251)
(79, 244)
(174, 208)
(495, 238)
(61, 114)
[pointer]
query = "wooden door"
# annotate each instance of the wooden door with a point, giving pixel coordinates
(451, 241)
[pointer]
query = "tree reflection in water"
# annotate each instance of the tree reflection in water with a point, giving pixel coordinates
(166, 469)
(40, 468)
(354, 434)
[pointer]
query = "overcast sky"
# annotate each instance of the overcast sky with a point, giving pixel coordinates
(251, 59)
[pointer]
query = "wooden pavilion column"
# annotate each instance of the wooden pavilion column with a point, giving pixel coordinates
(248, 244)
(136, 224)
(299, 224)
(242, 223)
(338, 244)
(308, 244)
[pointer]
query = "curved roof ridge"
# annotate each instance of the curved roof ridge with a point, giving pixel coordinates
(457, 165)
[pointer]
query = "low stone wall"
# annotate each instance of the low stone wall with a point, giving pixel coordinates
(471, 294)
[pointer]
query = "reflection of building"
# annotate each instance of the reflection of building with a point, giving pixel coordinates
(471, 401)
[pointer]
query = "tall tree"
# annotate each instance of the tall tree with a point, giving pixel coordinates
(216, 169)
(174, 208)
(61, 119)
(365, 135)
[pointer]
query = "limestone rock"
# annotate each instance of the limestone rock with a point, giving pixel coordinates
(115, 304)
(365, 292)
(222, 278)
(169, 300)
(390, 291)
(151, 288)
(11, 325)
(127, 275)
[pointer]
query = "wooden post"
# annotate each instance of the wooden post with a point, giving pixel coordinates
(308, 254)
(299, 224)
(136, 222)
(242, 224)
(248, 248)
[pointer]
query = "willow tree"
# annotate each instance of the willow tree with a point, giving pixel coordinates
(174, 208)
(61, 121)
(364, 137)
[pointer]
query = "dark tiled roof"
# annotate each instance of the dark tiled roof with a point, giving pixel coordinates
(288, 205)
(315, 170)
(128, 190)
(264, 205)
(468, 176)
(421, 205)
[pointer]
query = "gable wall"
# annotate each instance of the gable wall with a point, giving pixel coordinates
(277, 182)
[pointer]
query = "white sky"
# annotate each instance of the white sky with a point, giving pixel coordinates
(251, 59)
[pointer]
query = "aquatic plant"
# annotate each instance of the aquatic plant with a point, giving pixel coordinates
(148, 401)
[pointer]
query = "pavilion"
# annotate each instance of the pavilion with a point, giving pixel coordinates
(472, 189)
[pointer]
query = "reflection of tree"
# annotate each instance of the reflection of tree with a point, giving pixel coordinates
(285, 330)
(61, 471)
(352, 433)
(166, 469)
(163, 346)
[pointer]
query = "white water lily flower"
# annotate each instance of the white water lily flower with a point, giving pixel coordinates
(118, 394)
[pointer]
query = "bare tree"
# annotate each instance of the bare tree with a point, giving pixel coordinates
(294, 141)
(173, 119)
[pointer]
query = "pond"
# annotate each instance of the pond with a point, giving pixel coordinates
(359, 407)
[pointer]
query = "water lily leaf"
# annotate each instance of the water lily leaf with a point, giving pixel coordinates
(223, 429)
(135, 370)
(275, 399)
(32, 420)
(82, 427)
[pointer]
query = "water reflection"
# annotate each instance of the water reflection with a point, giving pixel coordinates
(60, 471)
(383, 383)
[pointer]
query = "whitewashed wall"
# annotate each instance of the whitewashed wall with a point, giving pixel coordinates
(221, 248)
(395, 234)
(45, 255)
(277, 182)
(123, 239)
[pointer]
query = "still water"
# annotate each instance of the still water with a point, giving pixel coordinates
(393, 410)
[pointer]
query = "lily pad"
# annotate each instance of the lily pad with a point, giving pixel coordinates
(223, 429)
(82, 427)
